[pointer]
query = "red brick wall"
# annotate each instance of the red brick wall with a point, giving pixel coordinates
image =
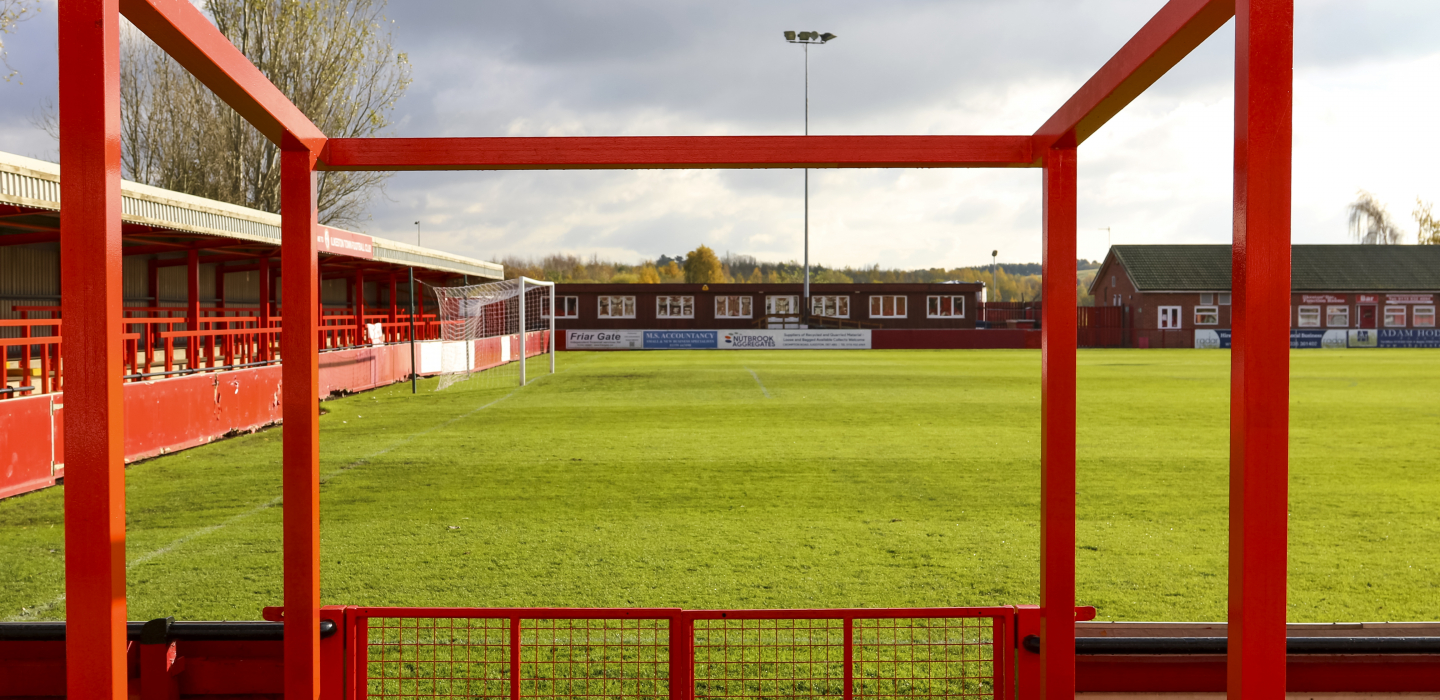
(859, 295)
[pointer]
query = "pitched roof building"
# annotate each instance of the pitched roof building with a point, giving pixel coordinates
(1179, 295)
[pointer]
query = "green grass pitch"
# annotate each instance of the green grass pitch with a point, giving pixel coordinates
(788, 479)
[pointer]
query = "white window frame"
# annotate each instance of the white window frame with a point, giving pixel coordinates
(1212, 311)
(569, 307)
(793, 303)
(1401, 310)
(840, 305)
(1224, 299)
(933, 310)
(665, 304)
(1162, 312)
(1423, 312)
(744, 306)
(606, 302)
(1300, 321)
(1207, 299)
(1337, 311)
(899, 307)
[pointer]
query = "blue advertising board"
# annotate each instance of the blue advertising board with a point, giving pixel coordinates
(681, 340)
(1336, 338)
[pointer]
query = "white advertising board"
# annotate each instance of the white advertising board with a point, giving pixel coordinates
(604, 340)
(796, 339)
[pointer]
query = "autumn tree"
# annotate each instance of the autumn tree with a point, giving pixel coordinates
(702, 266)
(13, 12)
(332, 58)
(648, 274)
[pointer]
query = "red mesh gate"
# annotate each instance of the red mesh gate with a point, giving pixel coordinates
(401, 653)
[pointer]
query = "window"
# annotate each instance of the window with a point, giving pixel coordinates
(1309, 317)
(1337, 316)
(617, 307)
(1207, 299)
(569, 307)
(1424, 317)
(732, 307)
(1169, 318)
(832, 306)
(1224, 298)
(674, 307)
(945, 307)
(1118, 300)
(1394, 317)
(887, 306)
(1207, 315)
(782, 306)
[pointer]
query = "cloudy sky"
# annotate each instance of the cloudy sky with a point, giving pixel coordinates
(1365, 105)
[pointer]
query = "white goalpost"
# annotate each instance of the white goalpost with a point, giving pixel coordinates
(490, 331)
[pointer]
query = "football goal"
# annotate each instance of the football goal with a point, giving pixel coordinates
(490, 330)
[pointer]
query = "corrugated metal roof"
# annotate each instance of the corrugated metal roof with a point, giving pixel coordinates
(1313, 268)
(35, 184)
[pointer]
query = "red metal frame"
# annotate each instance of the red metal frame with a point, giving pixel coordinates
(610, 652)
(91, 286)
(1260, 349)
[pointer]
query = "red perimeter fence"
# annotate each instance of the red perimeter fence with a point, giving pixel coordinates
(678, 654)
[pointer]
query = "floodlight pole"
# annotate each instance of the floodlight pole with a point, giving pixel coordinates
(806, 40)
(414, 381)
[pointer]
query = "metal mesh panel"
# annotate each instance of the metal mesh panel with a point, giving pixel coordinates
(475, 658)
(771, 658)
(924, 658)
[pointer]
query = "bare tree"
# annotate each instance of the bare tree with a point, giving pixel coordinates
(13, 12)
(1370, 222)
(332, 58)
(1429, 226)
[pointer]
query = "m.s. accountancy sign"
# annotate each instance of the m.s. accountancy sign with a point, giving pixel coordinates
(337, 242)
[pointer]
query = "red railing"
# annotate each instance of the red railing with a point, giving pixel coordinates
(400, 653)
(158, 342)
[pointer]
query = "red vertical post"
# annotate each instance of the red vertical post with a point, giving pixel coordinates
(300, 372)
(1057, 449)
(1260, 350)
(91, 293)
(265, 290)
(192, 290)
(359, 306)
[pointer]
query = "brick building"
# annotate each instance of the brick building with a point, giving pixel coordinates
(738, 306)
(1342, 295)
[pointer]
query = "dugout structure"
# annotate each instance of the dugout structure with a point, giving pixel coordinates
(89, 40)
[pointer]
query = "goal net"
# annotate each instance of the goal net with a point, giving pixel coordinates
(491, 330)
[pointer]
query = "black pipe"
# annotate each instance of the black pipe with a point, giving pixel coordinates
(178, 631)
(1199, 646)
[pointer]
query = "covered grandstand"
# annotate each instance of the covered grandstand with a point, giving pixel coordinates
(201, 296)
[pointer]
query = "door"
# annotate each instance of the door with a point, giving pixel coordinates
(1169, 318)
(1367, 316)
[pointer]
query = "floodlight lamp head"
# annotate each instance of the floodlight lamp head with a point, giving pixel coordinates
(804, 36)
(789, 36)
(994, 253)
(827, 36)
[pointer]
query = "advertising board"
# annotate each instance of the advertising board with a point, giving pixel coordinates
(680, 340)
(796, 339)
(748, 339)
(604, 340)
(1350, 338)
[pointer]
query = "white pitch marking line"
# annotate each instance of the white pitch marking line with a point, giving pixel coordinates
(41, 609)
(757, 381)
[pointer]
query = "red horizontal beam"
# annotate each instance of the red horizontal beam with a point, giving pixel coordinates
(28, 238)
(1169, 36)
(647, 152)
(179, 28)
